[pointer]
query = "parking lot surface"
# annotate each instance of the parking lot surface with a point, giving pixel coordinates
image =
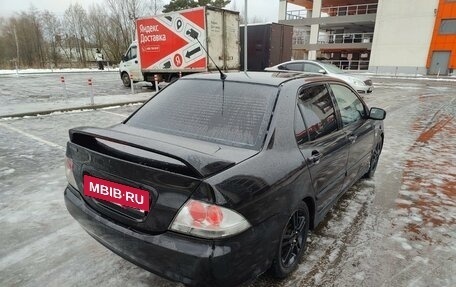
(398, 229)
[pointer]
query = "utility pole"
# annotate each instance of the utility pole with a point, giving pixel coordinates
(132, 17)
(245, 36)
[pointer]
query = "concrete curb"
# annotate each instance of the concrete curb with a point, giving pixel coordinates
(57, 72)
(47, 112)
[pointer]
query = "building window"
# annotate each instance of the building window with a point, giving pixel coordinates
(448, 26)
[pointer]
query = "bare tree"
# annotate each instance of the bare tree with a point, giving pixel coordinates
(43, 37)
(25, 30)
(52, 35)
(156, 6)
(75, 24)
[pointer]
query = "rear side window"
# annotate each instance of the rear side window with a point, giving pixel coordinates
(294, 67)
(301, 132)
(238, 115)
(318, 111)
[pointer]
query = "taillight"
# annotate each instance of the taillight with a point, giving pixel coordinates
(208, 220)
(69, 172)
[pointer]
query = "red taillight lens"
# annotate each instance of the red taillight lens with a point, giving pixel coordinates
(208, 220)
(197, 210)
(214, 215)
(201, 212)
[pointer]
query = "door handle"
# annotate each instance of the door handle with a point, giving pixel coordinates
(315, 157)
(352, 138)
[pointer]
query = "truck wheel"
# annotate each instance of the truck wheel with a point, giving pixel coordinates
(292, 243)
(126, 80)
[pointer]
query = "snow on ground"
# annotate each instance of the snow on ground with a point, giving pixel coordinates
(63, 70)
(397, 229)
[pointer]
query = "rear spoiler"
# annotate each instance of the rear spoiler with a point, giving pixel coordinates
(201, 164)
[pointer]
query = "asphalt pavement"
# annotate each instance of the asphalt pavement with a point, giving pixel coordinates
(397, 229)
(34, 94)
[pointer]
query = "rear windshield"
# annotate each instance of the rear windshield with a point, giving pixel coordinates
(200, 109)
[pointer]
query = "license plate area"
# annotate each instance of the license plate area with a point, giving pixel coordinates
(120, 195)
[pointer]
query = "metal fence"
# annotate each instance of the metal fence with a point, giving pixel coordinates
(298, 14)
(361, 9)
(346, 38)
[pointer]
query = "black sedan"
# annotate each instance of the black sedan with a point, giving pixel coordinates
(214, 181)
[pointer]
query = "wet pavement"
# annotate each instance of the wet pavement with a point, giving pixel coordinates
(397, 229)
(47, 87)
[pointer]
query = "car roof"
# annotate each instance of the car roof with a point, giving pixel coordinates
(271, 78)
(301, 61)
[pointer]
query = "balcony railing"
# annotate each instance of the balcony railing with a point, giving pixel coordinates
(346, 38)
(301, 40)
(361, 9)
(298, 14)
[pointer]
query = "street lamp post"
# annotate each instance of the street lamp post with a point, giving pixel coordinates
(245, 36)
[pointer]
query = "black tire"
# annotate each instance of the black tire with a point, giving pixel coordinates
(292, 243)
(374, 159)
(126, 80)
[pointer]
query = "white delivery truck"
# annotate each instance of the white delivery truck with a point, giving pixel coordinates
(174, 44)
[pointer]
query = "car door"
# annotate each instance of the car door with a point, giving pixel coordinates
(131, 64)
(358, 128)
(312, 68)
(322, 143)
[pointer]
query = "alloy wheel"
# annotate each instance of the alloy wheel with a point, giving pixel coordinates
(293, 239)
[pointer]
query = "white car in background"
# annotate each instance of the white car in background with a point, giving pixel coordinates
(359, 83)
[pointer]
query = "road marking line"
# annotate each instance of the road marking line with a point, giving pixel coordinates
(32, 137)
(116, 114)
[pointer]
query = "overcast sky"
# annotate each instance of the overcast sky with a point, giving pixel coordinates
(262, 9)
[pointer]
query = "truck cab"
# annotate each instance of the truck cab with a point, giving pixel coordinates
(130, 66)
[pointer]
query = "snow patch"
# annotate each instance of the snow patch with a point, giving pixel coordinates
(403, 201)
(406, 246)
(360, 276)
(6, 171)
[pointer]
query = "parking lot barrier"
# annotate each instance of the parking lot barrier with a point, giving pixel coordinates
(62, 80)
(156, 82)
(89, 83)
(131, 84)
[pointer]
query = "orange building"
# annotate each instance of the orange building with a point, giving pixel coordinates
(442, 52)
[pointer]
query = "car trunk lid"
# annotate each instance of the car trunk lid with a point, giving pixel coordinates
(169, 171)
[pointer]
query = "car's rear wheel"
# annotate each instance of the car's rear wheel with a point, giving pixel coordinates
(292, 243)
(374, 159)
(126, 79)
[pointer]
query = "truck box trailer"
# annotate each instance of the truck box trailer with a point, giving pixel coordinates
(174, 44)
(267, 45)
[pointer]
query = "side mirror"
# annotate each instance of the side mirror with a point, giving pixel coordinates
(124, 58)
(321, 71)
(377, 114)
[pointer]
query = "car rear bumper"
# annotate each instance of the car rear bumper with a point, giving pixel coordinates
(186, 259)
